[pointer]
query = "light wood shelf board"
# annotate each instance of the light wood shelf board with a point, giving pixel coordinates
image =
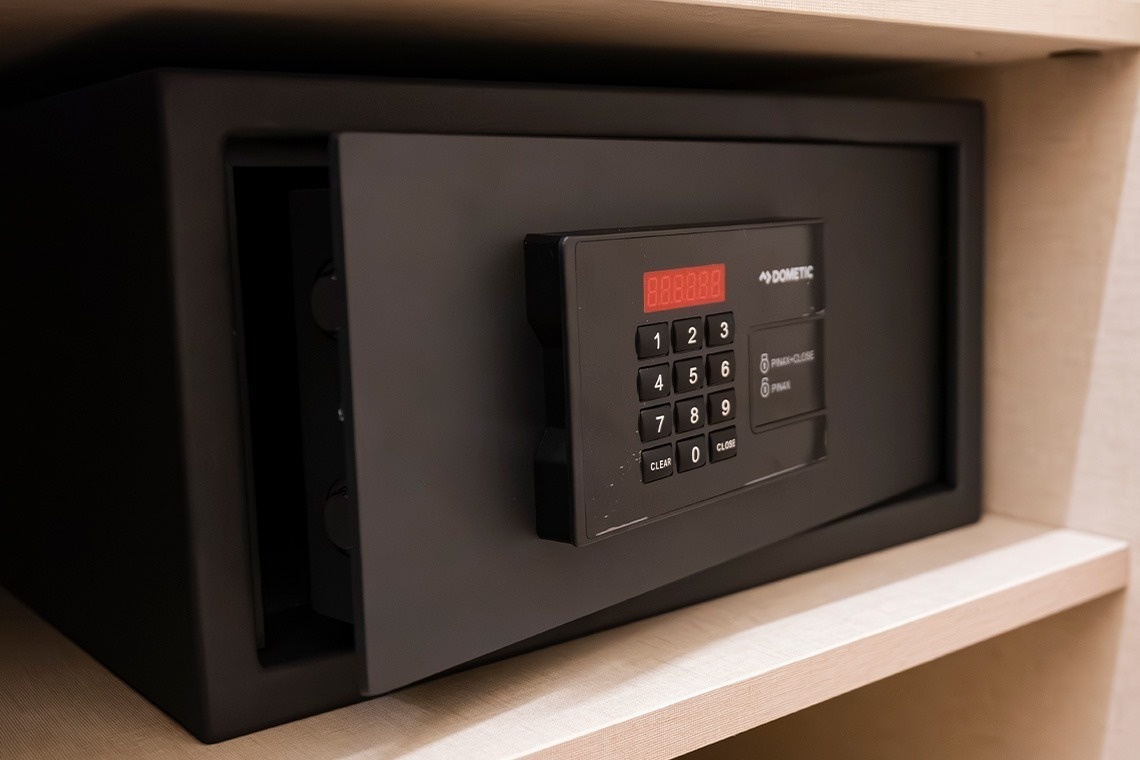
(921, 30)
(657, 688)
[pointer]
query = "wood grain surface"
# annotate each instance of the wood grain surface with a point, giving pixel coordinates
(1062, 424)
(944, 30)
(653, 689)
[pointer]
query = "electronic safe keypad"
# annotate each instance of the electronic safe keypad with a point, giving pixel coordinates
(682, 364)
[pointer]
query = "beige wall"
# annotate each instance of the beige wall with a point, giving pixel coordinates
(1062, 427)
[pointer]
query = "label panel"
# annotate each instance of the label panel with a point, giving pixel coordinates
(786, 376)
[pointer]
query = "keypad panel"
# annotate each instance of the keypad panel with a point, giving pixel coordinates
(691, 372)
(661, 322)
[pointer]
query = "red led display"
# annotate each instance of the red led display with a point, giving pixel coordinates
(677, 288)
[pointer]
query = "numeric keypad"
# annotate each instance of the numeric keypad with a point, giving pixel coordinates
(686, 374)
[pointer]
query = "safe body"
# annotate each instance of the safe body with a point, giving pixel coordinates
(293, 384)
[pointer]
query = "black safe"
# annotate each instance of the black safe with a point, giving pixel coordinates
(330, 385)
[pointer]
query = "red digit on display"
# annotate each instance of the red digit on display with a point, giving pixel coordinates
(678, 288)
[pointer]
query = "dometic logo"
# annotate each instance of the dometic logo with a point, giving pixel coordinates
(787, 274)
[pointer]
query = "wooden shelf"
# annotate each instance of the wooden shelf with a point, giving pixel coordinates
(657, 688)
(914, 30)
